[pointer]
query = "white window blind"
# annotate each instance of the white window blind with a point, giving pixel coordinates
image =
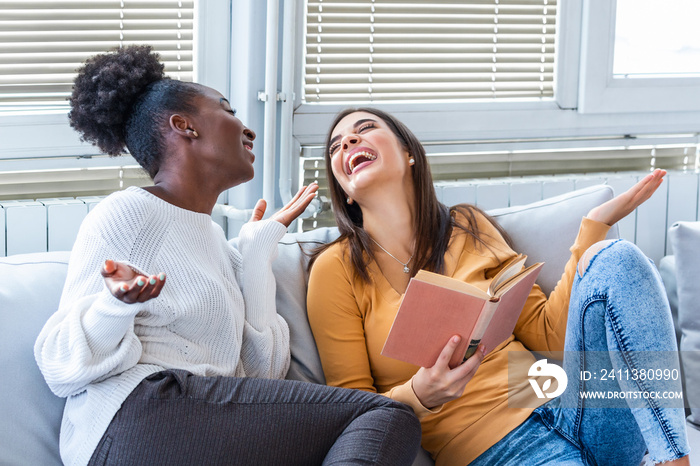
(43, 42)
(392, 50)
(70, 182)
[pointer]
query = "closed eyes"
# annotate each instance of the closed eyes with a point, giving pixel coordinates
(334, 148)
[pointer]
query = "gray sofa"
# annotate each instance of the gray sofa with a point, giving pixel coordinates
(30, 287)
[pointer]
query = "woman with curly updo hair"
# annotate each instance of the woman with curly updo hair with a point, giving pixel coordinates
(186, 369)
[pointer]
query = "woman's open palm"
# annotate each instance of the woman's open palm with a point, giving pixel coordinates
(129, 286)
(619, 207)
(292, 210)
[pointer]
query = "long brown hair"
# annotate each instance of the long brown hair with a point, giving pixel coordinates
(433, 222)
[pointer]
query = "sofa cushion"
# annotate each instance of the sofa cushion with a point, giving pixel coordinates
(545, 230)
(30, 415)
(290, 269)
(685, 240)
(667, 270)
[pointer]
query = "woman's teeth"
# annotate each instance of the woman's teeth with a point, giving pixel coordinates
(359, 157)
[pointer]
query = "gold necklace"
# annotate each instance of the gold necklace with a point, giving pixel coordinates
(405, 266)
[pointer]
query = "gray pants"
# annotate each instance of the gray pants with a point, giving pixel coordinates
(176, 418)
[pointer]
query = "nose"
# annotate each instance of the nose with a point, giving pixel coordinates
(249, 133)
(349, 141)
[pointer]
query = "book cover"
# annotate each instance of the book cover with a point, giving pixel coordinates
(435, 307)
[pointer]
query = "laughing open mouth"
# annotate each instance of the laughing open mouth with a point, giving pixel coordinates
(358, 158)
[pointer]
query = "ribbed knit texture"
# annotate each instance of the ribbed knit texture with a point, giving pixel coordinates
(216, 314)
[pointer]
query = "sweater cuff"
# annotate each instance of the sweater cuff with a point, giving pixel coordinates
(261, 236)
(591, 232)
(106, 319)
(405, 394)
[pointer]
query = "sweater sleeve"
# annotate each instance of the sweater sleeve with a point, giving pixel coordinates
(91, 336)
(542, 324)
(265, 348)
(338, 328)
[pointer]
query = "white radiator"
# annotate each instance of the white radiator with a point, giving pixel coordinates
(52, 224)
(42, 225)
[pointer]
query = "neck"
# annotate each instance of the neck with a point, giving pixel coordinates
(187, 188)
(391, 225)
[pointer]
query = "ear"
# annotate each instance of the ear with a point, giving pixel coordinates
(181, 126)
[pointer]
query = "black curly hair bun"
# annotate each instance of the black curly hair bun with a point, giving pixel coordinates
(104, 93)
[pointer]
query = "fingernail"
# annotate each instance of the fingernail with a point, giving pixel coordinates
(140, 282)
(483, 350)
(152, 281)
(124, 288)
(455, 339)
(161, 277)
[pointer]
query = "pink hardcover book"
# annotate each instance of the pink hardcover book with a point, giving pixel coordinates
(436, 307)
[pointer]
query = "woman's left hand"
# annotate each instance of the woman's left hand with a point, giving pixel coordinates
(619, 207)
(292, 210)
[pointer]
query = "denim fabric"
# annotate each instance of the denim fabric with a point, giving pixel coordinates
(619, 319)
(176, 418)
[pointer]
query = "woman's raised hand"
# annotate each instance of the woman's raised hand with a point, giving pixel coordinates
(619, 207)
(129, 286)
(292, 210)
(439, 384)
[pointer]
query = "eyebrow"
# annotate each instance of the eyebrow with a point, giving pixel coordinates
(357, 124)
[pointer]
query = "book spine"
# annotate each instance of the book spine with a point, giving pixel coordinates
(480, 327)
(471, 349)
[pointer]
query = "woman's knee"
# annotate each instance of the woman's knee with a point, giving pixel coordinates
(590, 253)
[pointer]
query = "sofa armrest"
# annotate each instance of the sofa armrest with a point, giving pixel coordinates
(685, 240)
(30, 415)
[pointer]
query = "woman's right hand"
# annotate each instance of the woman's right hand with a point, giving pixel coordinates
(620, 206)
(292, 210)
(439, 384)
(128, 286)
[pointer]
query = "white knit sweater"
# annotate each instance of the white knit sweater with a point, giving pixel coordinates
(216, 314)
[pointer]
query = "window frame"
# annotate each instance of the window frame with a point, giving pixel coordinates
(559, 117)
(602, 93)
(47, 134)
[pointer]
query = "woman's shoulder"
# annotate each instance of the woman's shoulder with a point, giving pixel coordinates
(489, 237)
(131, 200)
(120, 212)
(472, 218)
(333, 259)
(335, 253)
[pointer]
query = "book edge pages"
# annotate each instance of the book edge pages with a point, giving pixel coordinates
(508, 284)
(512, 268)
(450, 283)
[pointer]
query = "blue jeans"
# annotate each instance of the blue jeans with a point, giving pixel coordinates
(619, 322)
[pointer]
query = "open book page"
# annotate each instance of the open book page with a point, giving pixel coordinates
(508, 284)
(510, 307)
(512, 268)
(450, 283)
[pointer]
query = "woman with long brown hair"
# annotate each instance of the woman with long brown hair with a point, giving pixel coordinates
(392, 225)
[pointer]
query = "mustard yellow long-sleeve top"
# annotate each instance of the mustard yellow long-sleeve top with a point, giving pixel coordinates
(351, 319)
